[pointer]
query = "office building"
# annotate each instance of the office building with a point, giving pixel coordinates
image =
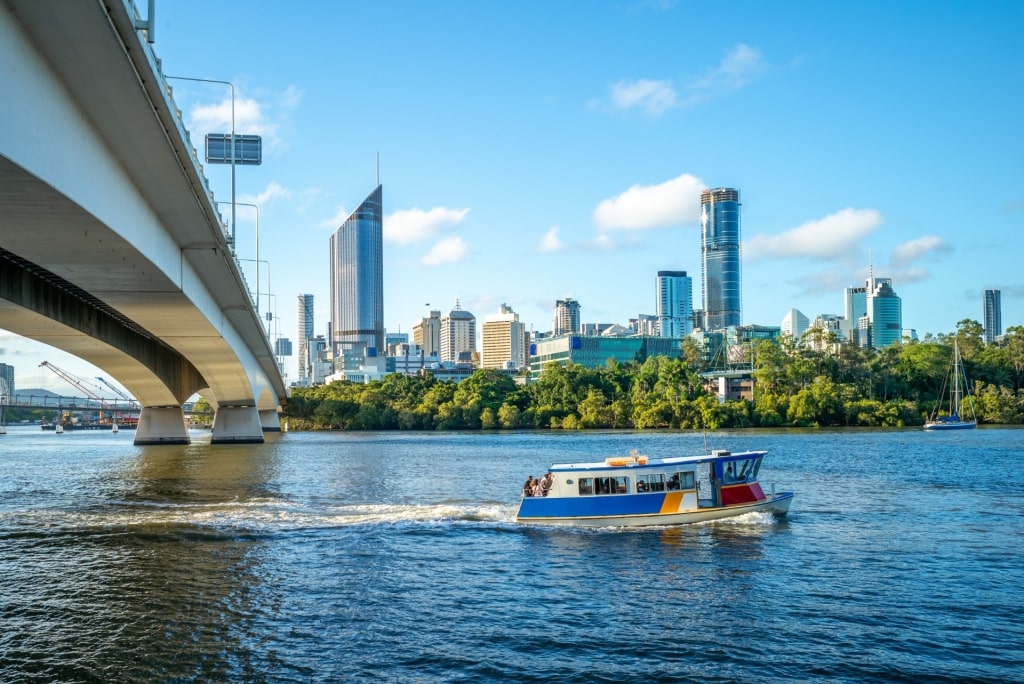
(357, 279)
(795, 324)
(720, 258)
(884, 314)
(504, 340)
(427, 334)
(305, 318)
(675, 304)
(567, 317)
(993, 315)
(458, 334)
(855, 306)
(595, 351)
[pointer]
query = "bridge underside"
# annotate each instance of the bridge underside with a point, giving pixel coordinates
(111, 245)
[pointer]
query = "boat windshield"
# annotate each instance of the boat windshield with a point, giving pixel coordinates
(741, 470)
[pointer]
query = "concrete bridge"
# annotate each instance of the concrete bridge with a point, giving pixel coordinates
(111, 244)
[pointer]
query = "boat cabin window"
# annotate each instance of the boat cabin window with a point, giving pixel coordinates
(681, 480)
(744, 470)
(603, 485)
(650, 483)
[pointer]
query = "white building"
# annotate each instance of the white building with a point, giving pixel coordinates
(458, 333)
(567, 317)
(427, 333)
(675, 304)
(795, 324)
(504, 340)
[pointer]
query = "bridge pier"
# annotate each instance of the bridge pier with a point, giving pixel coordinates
(237, 425)
(161, 425)
(270, 421)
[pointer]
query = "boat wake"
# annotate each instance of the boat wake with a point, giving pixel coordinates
(261, 516)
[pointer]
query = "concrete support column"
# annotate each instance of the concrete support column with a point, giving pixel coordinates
(161, 425)
(270, 421)
(237, 425)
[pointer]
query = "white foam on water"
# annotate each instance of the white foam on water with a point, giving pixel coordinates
(267, 515)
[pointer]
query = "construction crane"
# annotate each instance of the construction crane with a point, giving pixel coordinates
(131, 402)
(89, 392)
(77, 383)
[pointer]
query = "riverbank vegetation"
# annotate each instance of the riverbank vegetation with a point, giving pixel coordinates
(794, 385)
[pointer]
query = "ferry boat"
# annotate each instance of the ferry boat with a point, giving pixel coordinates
(636, 490)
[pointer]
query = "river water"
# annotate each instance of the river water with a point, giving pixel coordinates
(322, 557)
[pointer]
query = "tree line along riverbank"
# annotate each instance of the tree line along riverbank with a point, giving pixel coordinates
(794, 386)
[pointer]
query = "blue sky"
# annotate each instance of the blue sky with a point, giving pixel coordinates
(533, 151)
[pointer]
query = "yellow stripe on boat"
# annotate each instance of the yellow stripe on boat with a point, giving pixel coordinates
(671, 502)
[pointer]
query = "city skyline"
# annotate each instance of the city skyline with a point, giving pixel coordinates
(571, 171)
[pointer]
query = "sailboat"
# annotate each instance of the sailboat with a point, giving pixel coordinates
(958, 387)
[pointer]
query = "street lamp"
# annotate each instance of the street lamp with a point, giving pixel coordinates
(258, 293)
(232, 87)
(257, 259)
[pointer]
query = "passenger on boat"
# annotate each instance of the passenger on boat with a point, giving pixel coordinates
(537, 491)
(528, 486)
(545, 484)
(673, 482)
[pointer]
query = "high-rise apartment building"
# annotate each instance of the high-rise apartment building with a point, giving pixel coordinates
(427, 334)
(458, 333)
(305, 318)
(720, 258)
(567, 317)
(675, 304)
(504, 340)
(993, 315)
(357, 279)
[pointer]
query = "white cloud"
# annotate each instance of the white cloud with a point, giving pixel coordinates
(415, 225)
(832, 237)
(249, 118)
(911, 251)
(273, 191)
(737, 69)
(341, 214)
(653, 97)
(674, 202)
(449, 250)
(551, 242)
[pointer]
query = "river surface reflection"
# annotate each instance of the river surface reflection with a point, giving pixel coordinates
(394, 556)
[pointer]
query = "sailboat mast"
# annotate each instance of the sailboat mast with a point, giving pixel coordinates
(956, 378)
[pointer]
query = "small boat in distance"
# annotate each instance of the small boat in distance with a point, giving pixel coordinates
(956, 380)
(636, 490)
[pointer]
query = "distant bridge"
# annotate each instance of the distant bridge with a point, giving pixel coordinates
(111, 245)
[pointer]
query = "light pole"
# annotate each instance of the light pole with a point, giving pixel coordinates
(257, 259)
(258, 293)
(232, 87)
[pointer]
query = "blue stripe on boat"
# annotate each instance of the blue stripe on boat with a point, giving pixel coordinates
(589, 506)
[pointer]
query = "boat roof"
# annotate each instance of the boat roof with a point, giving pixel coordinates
(635, 460)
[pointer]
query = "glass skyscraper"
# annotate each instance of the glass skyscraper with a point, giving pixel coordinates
(305, 316)
(357, 279)
(993, 315)
(720, 257)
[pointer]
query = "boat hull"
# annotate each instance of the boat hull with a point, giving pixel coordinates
(777, 505)
(950, 426)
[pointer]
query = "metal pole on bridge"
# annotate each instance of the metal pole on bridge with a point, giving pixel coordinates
(232, 87)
